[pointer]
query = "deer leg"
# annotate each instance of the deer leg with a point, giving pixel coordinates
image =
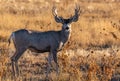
(13, 69)
(49, 63)
(17, 69)
(12, 62)
(15, 58)
(55, 60)
(18, 55)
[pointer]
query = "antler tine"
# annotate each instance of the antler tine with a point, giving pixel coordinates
(77, 10)
(54, 11)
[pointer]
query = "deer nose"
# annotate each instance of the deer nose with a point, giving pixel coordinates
(67, 28)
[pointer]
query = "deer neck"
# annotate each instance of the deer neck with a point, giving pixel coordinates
(65, 35)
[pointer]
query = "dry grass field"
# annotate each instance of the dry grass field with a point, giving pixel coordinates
(92, 53)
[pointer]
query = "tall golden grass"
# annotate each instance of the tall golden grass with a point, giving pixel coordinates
(92, 53)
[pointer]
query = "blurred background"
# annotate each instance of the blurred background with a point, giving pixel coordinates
(98, 24)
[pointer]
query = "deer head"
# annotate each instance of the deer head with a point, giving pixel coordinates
(66, 22)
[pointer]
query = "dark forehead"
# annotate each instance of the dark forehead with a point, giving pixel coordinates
(66, 21)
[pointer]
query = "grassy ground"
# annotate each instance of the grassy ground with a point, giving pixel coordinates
(92, 53)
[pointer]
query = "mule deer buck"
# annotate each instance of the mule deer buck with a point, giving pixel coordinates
(40, 42)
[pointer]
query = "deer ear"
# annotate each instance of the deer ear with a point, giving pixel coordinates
(76, 15)
(59, 19)
(74, 18)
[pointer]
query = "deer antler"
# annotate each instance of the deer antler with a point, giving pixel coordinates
(54, 11)
(77, 10)
(77, 14)
(57, 18)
